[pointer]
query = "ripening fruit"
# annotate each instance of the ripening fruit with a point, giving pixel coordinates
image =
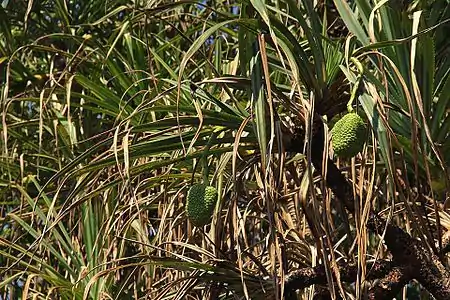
(200, 204)
(348, 135)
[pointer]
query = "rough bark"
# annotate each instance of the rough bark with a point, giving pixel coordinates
(305, 277)
(412, 256)
(389, 286)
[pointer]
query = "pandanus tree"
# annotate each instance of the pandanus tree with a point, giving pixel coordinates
(113, 111)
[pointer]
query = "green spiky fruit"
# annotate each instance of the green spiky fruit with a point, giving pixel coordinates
(201, 200)
(348, 135)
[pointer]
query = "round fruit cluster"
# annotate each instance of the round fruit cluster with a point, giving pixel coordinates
(348, 135)
(201, 200)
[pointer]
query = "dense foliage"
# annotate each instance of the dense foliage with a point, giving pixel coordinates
(112, 110)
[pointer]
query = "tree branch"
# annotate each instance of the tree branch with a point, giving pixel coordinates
(412, 260)
(407, 251)
(305, 277)
(390, 285)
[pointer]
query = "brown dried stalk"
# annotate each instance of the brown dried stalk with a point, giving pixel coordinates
(411, 260)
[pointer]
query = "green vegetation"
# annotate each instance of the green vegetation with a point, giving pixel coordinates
(110, 108)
